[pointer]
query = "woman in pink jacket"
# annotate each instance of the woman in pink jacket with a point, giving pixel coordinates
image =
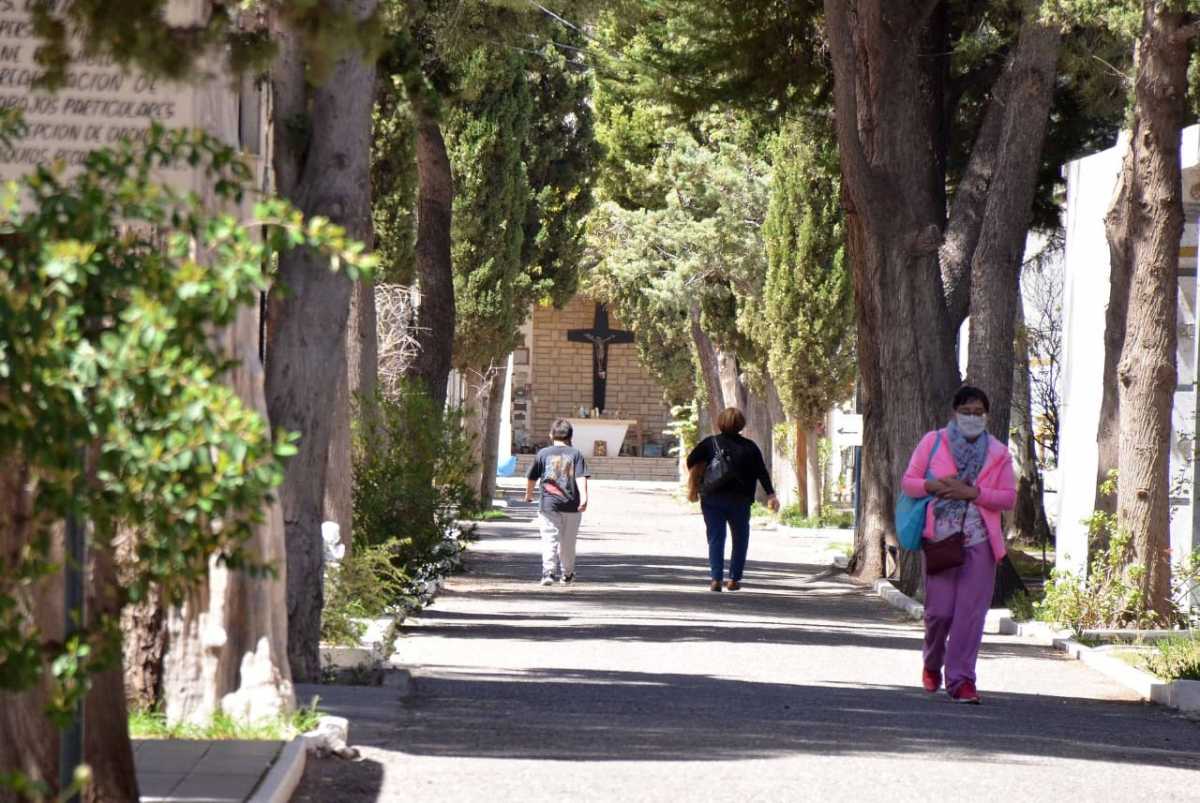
(972, 480)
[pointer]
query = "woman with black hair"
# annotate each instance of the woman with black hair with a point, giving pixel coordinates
(971, 475)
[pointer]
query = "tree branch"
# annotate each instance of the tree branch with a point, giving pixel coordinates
(1186, 33)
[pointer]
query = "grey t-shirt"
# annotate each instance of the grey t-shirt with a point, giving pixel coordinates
(557, 468)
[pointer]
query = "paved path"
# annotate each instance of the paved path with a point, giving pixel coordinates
(640, 684)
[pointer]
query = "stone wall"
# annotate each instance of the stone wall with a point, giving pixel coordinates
(562, 375)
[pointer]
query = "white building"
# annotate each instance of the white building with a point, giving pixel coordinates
(1090, 185)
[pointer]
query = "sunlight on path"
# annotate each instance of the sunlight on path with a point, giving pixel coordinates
(801, 685)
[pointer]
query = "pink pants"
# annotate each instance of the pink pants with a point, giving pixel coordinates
(956, 604)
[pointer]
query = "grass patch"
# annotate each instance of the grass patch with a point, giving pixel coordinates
(153, 725)
(490, 514)
(828, 519)
(1175, 658)
(1023, 605)
(1029, 564)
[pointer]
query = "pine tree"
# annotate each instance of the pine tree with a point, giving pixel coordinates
(808, 297)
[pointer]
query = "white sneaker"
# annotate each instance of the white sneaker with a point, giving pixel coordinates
(567, 579)
(547, 580)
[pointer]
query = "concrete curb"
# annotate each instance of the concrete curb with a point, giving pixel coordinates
(1183, 695)
(281, 780)
(898, 599)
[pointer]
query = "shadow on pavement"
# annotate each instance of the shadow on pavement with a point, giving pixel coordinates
(581, 715)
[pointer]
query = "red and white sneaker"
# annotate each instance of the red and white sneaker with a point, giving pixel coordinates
(966, 693)
(932, 681)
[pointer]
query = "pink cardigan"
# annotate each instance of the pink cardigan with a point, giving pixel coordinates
(997, 484)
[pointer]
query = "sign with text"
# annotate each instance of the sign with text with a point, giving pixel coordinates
(100, 105)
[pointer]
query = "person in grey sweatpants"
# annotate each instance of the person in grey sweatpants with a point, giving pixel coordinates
(563, 475)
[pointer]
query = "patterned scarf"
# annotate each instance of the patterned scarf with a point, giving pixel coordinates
(969, 459)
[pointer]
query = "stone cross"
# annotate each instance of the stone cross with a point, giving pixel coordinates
(601, 337)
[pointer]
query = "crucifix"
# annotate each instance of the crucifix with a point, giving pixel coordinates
(601, 337)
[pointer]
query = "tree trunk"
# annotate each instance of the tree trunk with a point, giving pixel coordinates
(706, 355)
(144, 637)
(106, 747)
(996, 269)
(1121, 215)
(813, 480)
(227, 648)
(339, 470)
(22, 714)
(1028, 521)
(895, 214)
(491, 433)
(328, 175)
(800, 464)
(434, 323)
(474, 419)
(355, 397)
(1147, 372)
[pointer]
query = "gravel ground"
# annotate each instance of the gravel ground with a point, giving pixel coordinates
(639, 684)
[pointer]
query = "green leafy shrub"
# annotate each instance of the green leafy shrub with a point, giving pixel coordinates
(1022, 606)
(365, 584)
(793, 516)
(1108, 597)
(684, 428)
(113, 402)
(1176, 658)
(412, 484)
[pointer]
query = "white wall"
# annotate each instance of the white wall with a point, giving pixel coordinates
(1090, 184)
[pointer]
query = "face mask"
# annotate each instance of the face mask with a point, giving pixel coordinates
(971, 426)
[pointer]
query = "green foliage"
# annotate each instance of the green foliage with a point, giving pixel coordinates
(120, 416)
(1022, 606)
(484, 131)
(412, 469)
(793, 516)
(152, 724)
(808, 295)
(698, 256)
(561, 161)
(1109, 597)
(139, 33)
(684, 428)
(365, 584)
(1176, 658)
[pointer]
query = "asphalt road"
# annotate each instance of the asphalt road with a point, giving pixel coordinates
(640, 684)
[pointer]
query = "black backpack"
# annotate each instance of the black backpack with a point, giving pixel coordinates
(718, 474)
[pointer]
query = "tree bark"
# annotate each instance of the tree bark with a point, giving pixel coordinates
(813, 480)
(1147, 371)
(22, 714)
(800, 465)
(327, 174)
(144, 636)
(1028, 521)
(355, 396)
(706, 355)
(996, 269)
(474, 419)
(894, 217)
(435, 274)
(491, 433)
(106, 746)
(1121, 215)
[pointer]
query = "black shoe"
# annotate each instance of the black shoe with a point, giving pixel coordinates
(567, 579)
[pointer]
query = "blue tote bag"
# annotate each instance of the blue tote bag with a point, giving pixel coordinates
(910, 513)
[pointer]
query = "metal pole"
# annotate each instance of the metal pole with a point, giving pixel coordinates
(70, 753)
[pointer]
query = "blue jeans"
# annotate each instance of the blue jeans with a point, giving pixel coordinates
(719, 511)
